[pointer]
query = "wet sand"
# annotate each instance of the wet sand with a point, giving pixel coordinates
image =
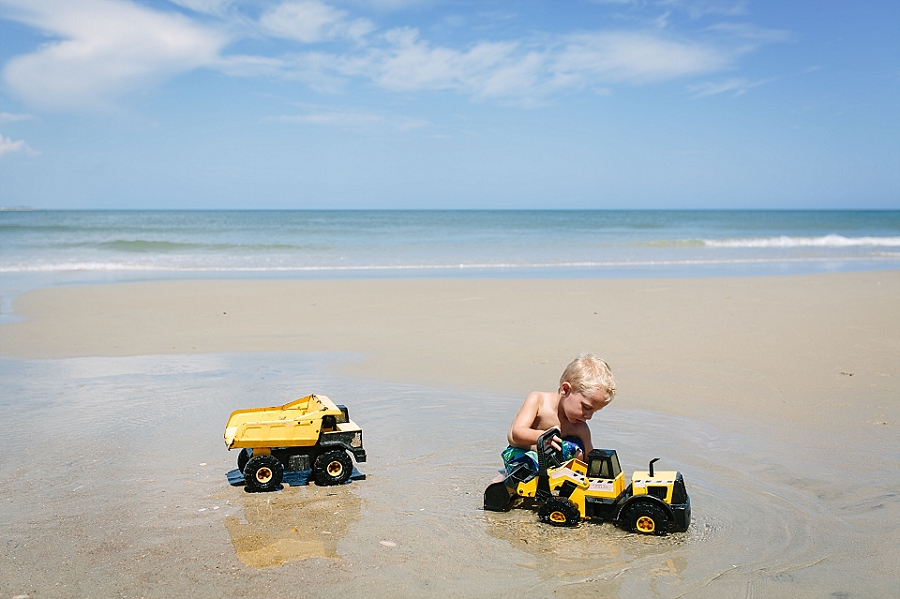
(776, 397)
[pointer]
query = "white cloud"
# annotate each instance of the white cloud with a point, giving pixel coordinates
(209, 7)
(699, 8)
(102, 48)
(330, 118)
(528, 74)
(8, 146)
(387, 5)
(751, 35)
(312, 21)
(9, 117)
(737, 87)
(107, 47)
(635, 57)
(324, 73)
(349, 119)
(412, 64)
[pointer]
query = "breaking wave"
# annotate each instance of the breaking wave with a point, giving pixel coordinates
(784, 241)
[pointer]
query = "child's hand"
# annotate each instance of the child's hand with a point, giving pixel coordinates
(554, 442)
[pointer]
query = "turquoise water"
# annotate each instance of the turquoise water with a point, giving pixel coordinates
(322, 244)
(42, 248)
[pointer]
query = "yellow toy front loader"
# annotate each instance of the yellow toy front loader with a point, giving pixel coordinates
(567, 493)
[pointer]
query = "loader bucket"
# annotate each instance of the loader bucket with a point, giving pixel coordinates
(498, 497)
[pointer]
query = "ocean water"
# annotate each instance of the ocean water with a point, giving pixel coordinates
(446, 243)
(39, 248)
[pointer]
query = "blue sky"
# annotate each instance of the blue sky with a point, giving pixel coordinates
(440, 104)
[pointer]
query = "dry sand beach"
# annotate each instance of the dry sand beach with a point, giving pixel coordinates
(777, 397)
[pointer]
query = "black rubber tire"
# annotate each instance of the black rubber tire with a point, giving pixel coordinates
(263, 473)
(559, 511)
(243, 458)
(333, 468)
(647, 519)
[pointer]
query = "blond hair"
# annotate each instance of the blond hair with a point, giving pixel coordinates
(587, 374)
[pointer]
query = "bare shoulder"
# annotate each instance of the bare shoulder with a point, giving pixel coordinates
(537, 408)
(537, 414)
(535, 397)
(547, 403)
(538, 399)
(551, 398)
(529, 409)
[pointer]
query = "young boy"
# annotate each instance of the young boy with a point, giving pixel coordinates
(586, 386)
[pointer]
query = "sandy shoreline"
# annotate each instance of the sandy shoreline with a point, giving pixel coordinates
(821, 351)
(776, 396)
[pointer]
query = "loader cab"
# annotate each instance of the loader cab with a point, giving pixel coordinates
(603, 463)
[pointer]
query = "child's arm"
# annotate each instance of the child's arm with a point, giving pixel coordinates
(585, 436)
(523, 432)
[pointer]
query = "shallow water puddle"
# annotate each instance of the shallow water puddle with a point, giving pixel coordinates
(119, 487)
(277, 528)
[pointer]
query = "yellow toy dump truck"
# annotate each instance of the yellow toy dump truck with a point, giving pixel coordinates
(311, 432)
(566, 493)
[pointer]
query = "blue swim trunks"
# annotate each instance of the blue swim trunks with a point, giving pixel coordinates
(514, 456)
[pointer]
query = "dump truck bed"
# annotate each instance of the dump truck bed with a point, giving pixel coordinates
(295, 424)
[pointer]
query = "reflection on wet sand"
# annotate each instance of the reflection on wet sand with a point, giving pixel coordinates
(292, 525)
(669, 573)
(590, 560)
(522, 530)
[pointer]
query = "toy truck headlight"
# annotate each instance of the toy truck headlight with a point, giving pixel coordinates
(356, 441)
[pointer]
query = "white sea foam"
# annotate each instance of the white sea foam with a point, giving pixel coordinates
(784, 241)
(138, 267)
